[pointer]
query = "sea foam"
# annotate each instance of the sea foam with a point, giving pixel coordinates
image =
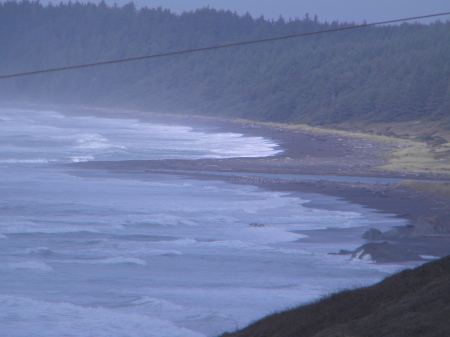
(20, 316)
(85, 243)
(34, 265)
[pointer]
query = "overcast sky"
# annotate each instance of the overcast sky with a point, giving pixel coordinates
(326, 10)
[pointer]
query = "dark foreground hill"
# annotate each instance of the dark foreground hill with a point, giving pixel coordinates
(388, 74)
(411, 303)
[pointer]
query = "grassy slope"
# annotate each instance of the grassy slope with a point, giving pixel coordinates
(415, 151)
(422, 146)
(411, 303)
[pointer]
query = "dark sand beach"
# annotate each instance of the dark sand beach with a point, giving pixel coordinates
(306, 153)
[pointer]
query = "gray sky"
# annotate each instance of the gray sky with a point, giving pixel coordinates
(326, 10)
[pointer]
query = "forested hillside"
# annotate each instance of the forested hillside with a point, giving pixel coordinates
(385, 73)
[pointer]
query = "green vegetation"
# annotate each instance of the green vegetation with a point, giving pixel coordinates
(411, 303)
(373, 74)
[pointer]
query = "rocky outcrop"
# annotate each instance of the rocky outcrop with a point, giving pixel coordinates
(392, 234)
(423, 227)
(426, 226)
(374, 234)
(384, 252)
(257, 225)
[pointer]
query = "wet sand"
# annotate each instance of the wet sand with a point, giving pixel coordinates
(306, 153)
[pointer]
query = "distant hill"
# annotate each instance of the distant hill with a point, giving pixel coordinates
(373, 74)
(411, 303)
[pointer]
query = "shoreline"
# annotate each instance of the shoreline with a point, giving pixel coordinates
(304, 153)
(403, 156)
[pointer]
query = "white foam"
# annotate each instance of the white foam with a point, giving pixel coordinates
(35, 265)
(119, 250)
(39, 250)
(185, 242)
(429, 257)
(268, 234)
(170, 252)
(21, 227)
(19, 316)
(78, 159)
(121, 259)
(366, 257)
(26, 161)
(155, 304)
(197, 284)
(169, 219)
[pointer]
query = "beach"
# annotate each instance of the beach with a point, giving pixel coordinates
(318, 156)
(185, 226)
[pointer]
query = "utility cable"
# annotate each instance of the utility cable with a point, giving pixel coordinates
(219, 46)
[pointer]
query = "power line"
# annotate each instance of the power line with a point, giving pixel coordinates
(219, 47)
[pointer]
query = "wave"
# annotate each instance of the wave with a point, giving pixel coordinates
(25, 227)
(211, 317)
(115, 260)
(34, 265)
(26, 314)
(135, 260)
(40, 251)
(153, 303)
(27, 161)
(184, 242)
(238, 244)
(91, 141)
(118, 249)
(164, 253)
(78, 159)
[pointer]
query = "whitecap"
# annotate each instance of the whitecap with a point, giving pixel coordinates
(117, 260)
(35, 265)
(164, 252)
(28, 227)
(20, 315)
(429, 257)
(154, 303)
(26, 161)
(78, 159)
(95, 142)
(185, 241)
(43, 251)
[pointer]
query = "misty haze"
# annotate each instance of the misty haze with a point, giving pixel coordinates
(194, 194)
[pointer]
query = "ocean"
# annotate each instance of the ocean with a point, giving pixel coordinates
(100, 253)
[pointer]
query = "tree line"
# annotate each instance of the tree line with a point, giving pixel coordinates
(375, 74)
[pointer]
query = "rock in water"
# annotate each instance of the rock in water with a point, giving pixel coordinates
(384, 253)
(392, 234)
(373, 234)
